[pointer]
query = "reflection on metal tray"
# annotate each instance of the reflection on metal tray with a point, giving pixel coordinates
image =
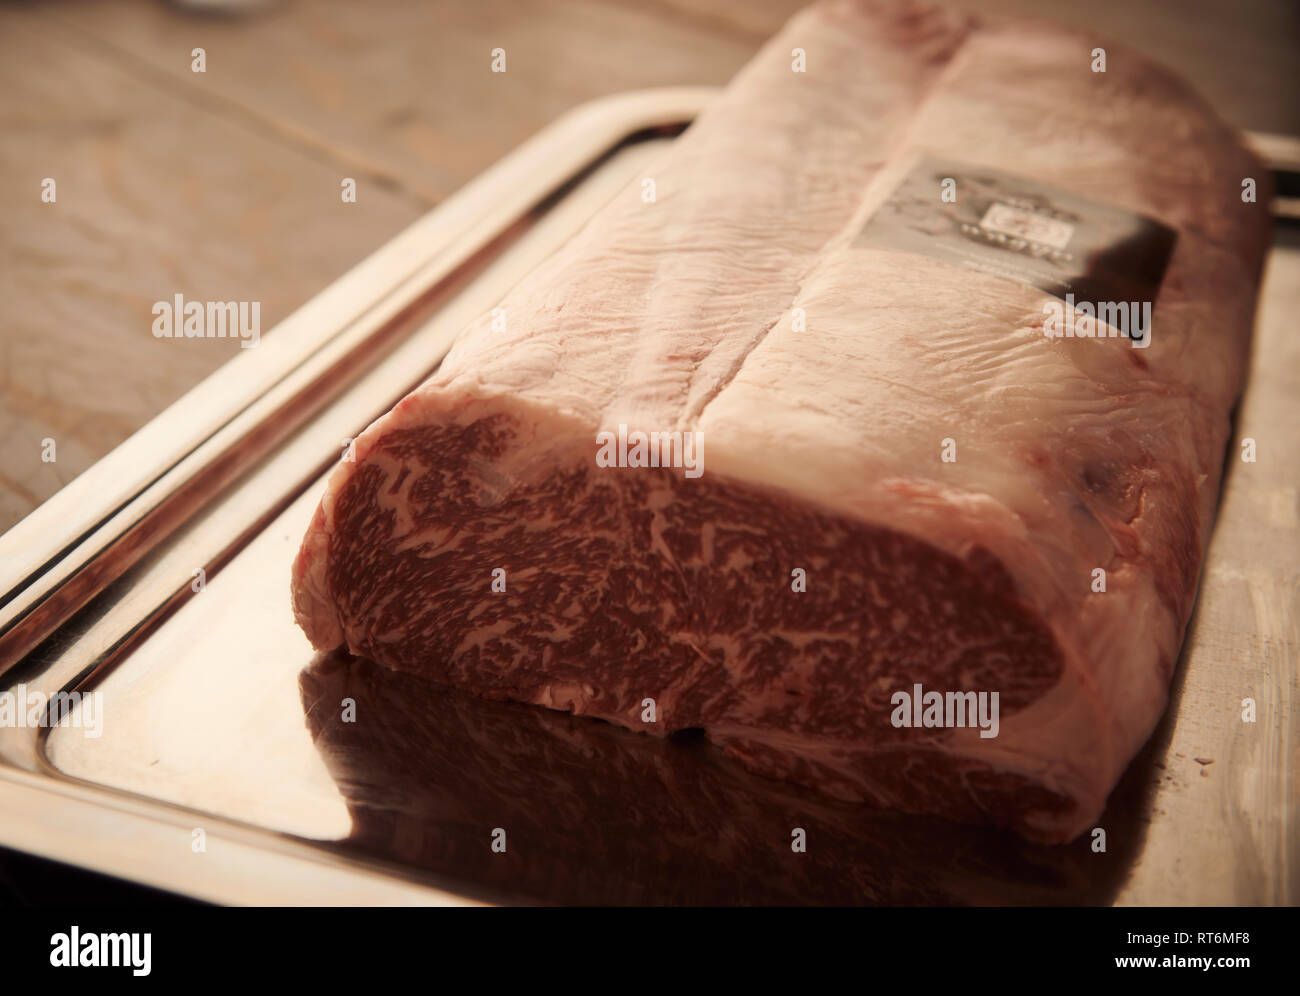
(229, 768)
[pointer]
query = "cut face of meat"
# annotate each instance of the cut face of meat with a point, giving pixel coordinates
(890, 485)
(627, 586)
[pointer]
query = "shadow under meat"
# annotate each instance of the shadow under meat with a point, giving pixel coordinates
(595, 814)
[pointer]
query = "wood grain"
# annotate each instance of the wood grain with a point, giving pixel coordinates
(155, 196)
(407, 89)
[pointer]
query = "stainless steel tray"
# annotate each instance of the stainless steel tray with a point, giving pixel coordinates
(227, 767)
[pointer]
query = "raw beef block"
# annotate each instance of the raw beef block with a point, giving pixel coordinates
(940, 330)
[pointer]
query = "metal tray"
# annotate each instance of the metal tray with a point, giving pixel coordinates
(228, 766)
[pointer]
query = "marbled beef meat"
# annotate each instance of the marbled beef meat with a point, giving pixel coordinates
(848, 287)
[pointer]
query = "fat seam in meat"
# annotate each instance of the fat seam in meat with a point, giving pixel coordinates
(831, 378)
